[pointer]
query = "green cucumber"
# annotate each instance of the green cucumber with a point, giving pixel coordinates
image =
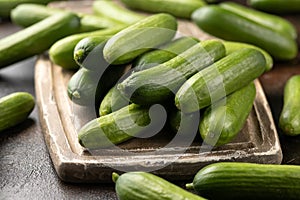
(270, 21)
(228, 25)
(234, 46)
(140, 37)
(234, 180)
(37, 38)
(276, 6)
(114, 11)
(61, 52)
(89, 51)
(222, 121)
(15, 108)
(114, 128)
(222, 78)
(163, 53)
(146, 186)
(177, 8)
(160, 83)
(289, 120)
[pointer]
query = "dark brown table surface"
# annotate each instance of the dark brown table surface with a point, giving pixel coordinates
(26, 170)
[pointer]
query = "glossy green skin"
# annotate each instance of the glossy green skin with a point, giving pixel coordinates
(234, 46)
(228, 25)
(140, 37)
(146, 186)
(15, 108)
(177, 8)
(163, 53)
(36, 38)
(61, 52)
(270, 21)
(222, 121)
(112, 10)
(276, 6)
(222, 78)
(289, 120)
(160, 83)
(233, 180)
(112, 129)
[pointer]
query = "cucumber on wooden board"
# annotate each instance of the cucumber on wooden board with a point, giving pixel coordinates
(234, 180)
(146, 186)
(15, 108)
(37, 38)
(222, 78)
(140, 37)
(276, 6)
(289, 120)
(228, 25)
(177, 8)
(222, 121)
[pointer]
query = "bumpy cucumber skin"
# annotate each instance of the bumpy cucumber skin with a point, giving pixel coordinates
(145, 186)
(221, 122)
(273, 22)
(248, 181)
(113, 128)
(222, 78)
(61, 52)
(140, 37)
(37, 38)
(227, 25)
(234, 46)
(276, 6)
(289, 120)
(177, 8)
(15, 108)
(160, 83)
(163, 53)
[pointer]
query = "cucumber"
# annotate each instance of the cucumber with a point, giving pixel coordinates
(114, 128)
(89, 51)
(289, 120)
(270, 21)
(114, 11)
(228, 25)
(276, 6)
(146, 186)
(15, 108)
(163, 53)
(160, 83)
(36, 38)
(234, 46)
(61, 52)
(222, 78)
(222, 121)
(177, 8)
(234, 180)
(140, 37)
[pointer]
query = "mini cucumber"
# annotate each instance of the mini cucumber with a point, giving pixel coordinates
(222, 78)
(37, 38)
(228, 25)
(289, 120)
(276, 6)
(140, 37)
(163, 53)
(177, 8)
(61, 52)
(160, 83)
(234, 180)
(234, 46)
(15, 108)
(146, 186)
(222, 121)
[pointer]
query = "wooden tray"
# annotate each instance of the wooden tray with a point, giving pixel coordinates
(60, 120)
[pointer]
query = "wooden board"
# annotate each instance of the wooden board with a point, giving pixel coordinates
(61, 119)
